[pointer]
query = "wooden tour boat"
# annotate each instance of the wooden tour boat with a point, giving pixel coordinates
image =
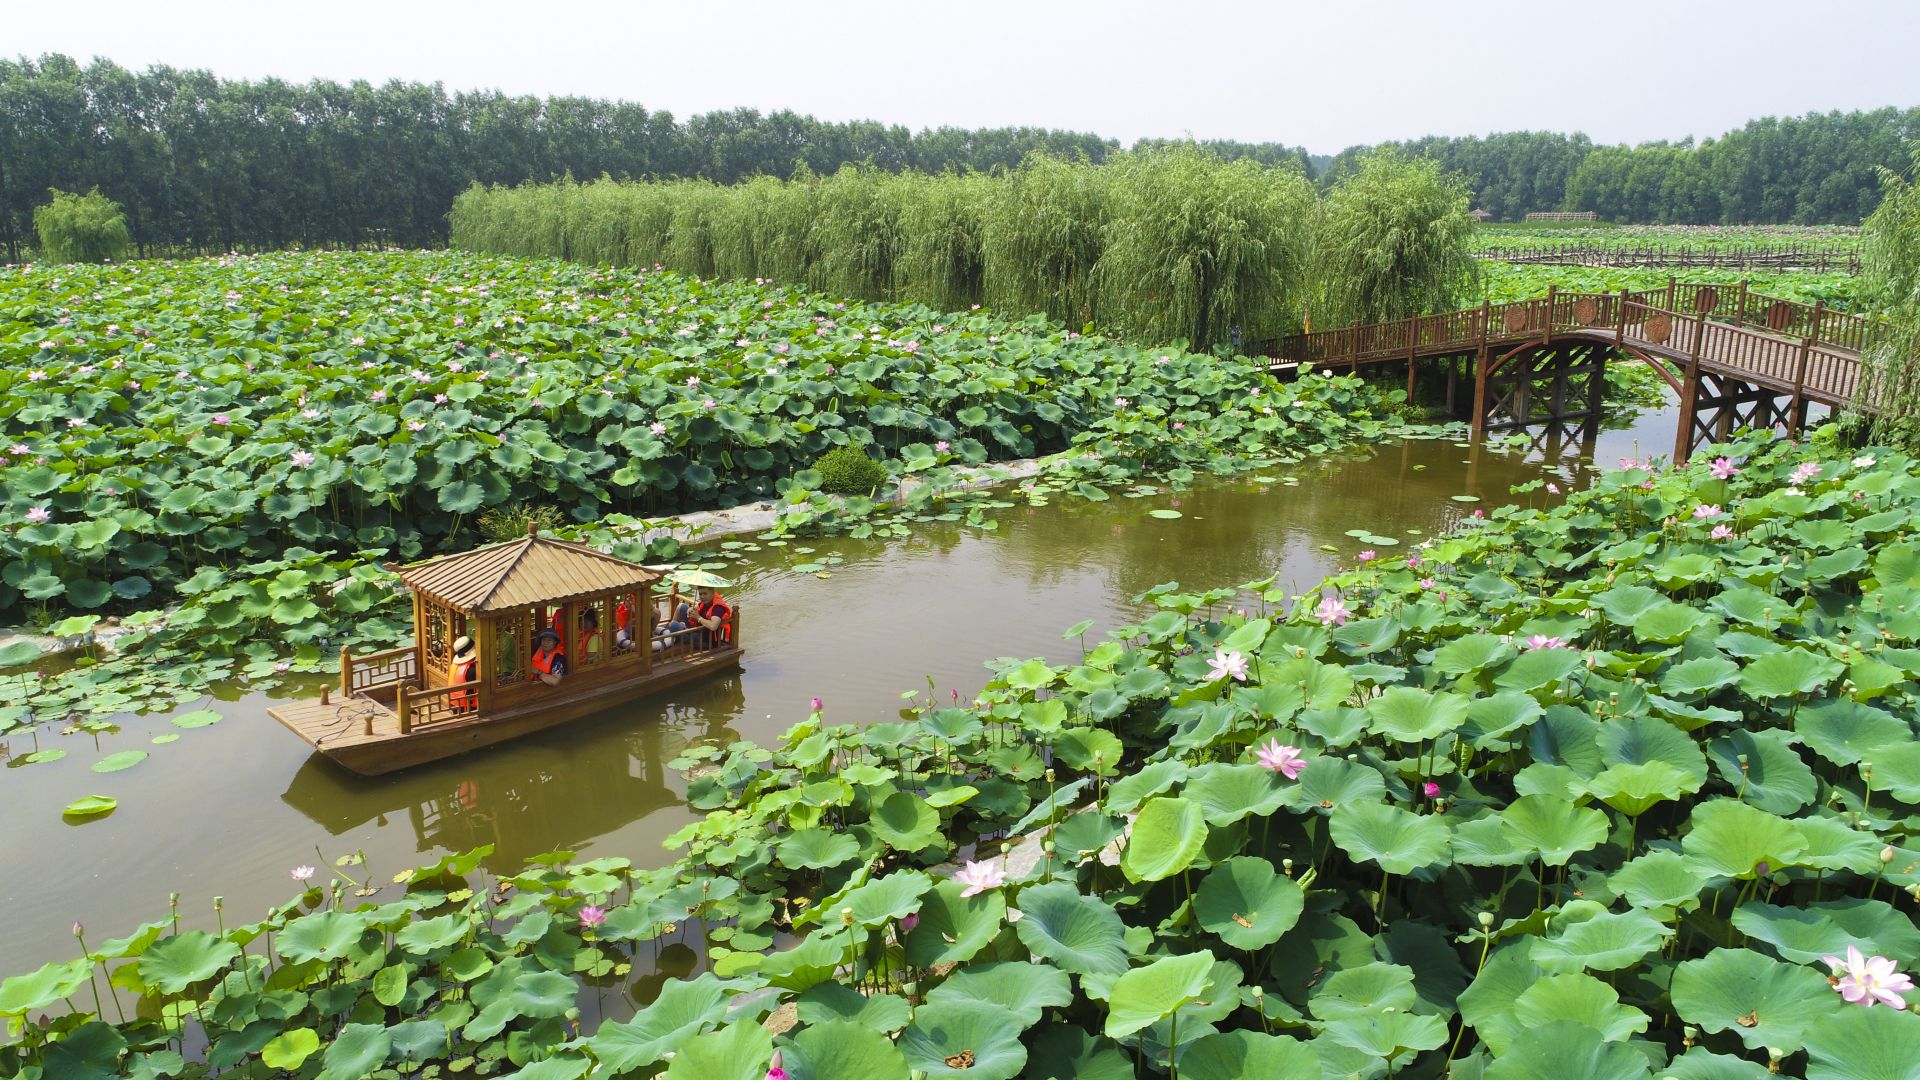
(406, 706)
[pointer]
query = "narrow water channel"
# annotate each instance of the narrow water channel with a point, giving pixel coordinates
(229, 809)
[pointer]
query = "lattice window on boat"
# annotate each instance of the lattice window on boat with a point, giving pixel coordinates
(510, 650)
(590, 621)
(439, 635)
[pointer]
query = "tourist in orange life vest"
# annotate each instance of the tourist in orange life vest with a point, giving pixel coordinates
(714, 618)
(549, 662)
(588, 643)
(465, 670)
(623, 621)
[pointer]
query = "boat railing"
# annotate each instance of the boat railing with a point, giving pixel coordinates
(416, 708)
(695, 641)
(358, 673)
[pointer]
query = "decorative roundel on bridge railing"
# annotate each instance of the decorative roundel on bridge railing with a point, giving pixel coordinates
(1779, 315)
(1586, 311)
(1515, 320)
(1706, 299)
(1659, 326)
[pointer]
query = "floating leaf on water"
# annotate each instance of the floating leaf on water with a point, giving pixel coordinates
(125, 759)
(1164, 514)
(199, 718)
(40, 757)
(91, 806)
(1464, 498)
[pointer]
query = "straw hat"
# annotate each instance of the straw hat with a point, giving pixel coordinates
(462, 647)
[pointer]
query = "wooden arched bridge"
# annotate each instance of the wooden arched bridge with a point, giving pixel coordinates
(1736, 358)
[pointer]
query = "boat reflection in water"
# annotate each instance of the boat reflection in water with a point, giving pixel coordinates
(602, 781)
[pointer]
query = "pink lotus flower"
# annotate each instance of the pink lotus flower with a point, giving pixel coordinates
(710, 404)
(310, 414)
(1868, 981)
(1121, 403)
(1705, 511)
(302, 873)
(1430, 789)
(1553, 488)
(1722, 532)
(657, 428)
(1285, 760)
(1179, 425)
(942, 446)
(221, 419)
(1369, 555)
(1332, 612)
(1807, 471)
(816, 705)
(908, 922)
(592, 915)
(38, 515)
(1227, 665)
(774, 1071)
(1722, 468)
(1426, 583)
(978, 877)
(300, 458)
(1542, 641)
(693, 380)
(1865, 461)
(377, 395)
(416, 425)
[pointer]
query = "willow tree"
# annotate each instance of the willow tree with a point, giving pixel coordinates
(1045, 231)
(81, 228)
(1392, 241)
(1890, 250)
(942, 220)
(1203, 250)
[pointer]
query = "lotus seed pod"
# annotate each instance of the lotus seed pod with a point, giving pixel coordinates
(1886, 854)
(1689, 1034)
(1486, 920)
(1049, 775)
(1286, 866)
(846, 916)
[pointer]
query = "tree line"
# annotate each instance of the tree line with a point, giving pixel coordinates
(200, 163)
(1818, 169)
(1162, 244)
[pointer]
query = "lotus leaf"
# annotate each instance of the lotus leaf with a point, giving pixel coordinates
(1146, 995)
(1247, 903)
(1398, 841)
(1023, 991)
(1167, 837)
(1078, 933)
(1764, 1002)
(832, 1051)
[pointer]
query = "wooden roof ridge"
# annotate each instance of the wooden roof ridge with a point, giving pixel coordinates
(474, 580)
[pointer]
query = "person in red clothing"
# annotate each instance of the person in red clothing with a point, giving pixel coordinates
(623, 621)
(465, 670)
(549, 662)
(714, 618)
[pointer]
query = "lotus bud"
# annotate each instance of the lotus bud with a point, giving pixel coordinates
(1689, 1034)
(1886, 855)
(1486, 920)
(78, 929)
(1046, 846)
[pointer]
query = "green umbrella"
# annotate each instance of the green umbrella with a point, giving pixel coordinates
(700, 579)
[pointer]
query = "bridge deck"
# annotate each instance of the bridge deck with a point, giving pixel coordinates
(1683, 330)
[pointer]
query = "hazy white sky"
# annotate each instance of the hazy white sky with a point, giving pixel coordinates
(1325, 74)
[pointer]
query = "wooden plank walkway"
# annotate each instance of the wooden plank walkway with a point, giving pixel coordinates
(1684, 331)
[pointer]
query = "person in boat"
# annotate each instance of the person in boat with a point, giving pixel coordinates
(714, 619)
(623, 621)
(589, 643)
(675, 615)
(549, 661)
(466, 664)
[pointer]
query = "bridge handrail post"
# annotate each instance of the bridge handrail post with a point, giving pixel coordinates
(1547, 333)
(1671, 285)
(1819, 316)
(1620, 331)
(1740, 319)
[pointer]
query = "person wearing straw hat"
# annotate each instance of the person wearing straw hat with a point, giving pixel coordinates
(549, 662)
(465, 670)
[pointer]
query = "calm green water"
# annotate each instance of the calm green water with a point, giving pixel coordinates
(228, 810)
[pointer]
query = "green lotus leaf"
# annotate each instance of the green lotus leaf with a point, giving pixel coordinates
(1491, 719)
(1360, 991)
(1803, 935)
(1634, 789)
(1247, 1055)
(1787, 673)
(834, 1001)
(323, 935)
(289, 1050)
(684, 1009)
(1131, 791)
(1764, 769)
(1411, 715)
(1023, 990)
(1398, 841)
(1078, 933)
(1703, 675)
(835, 1050)
(1147, 995)
(1247, 903)
(1094, 750)
(198, 718)
(1586, 937)
(887, 899)
(22, 994)
(125, 759)
(1167, 837)
(1732, 839)
(18, 654)
(1331, 781)
(1579, 998)
(173, 964)
(1553, 827)
(954, 929)
(87, 806)
(815, 849)
(428, 935)
(1227, 793)
(1659, 879)
(1864, 1044)
(1388, 1035)
(1668, 622)
(1565, 1048)
(1537, 669)
(905, 822)
(1763, 1001)
(1069, 1052)
(1471, 654)
(357, 1050)
(1699, 1063)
